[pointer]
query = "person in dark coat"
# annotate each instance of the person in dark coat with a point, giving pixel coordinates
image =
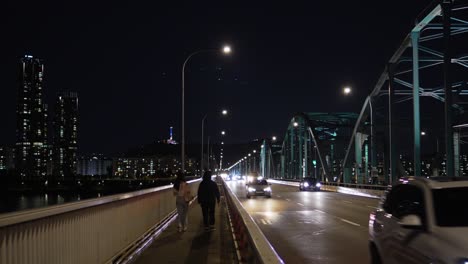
(208, 196)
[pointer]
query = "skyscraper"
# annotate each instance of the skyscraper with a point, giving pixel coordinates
(65, 135)
(31, 121)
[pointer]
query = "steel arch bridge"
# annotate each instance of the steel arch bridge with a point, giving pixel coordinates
(314, 145)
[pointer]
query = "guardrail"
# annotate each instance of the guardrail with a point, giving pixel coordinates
(366, 190)
(100, 230)
(251, 244)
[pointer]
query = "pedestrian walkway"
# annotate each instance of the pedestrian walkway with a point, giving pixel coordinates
(195, 245)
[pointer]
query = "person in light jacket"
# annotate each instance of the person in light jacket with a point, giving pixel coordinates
(180, 188)
(208, 195)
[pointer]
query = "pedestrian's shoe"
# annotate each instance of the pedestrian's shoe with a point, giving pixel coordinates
(212, 227)
(185, 228)
(179, 229)
(207, 228)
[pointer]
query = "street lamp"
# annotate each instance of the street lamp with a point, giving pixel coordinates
(225, 50)
(295, 124)
(347, 90)
(423, 133)
(273, 138)
(223, 132)
(224, 112)
(254, 151)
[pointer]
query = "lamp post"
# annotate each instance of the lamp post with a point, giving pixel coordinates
(202, 144)
(226, 50)
(202, 160)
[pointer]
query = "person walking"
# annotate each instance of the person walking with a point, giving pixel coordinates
(181, 190)
(208, 195)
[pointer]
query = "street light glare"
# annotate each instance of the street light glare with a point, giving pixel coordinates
(227, 49)
(224, 112)
(254, 151)
(223, 132)
(347, 90)
(295, 124)
(423, 133)
(274, 138)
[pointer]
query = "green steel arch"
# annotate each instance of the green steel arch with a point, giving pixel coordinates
(315, 144)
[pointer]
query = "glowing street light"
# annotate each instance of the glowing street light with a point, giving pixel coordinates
(347, 90)
(295, 124)
(224, 112)
(423, 133)
(254, 151)
(227, 49)
(223, 132)
(273, 138)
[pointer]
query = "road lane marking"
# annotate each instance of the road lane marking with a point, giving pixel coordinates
(320, 211)
(349, 222)
(288, 200)
(344, 201)
(373, 207)
(279, 196)
(300, 204)
(263, 221)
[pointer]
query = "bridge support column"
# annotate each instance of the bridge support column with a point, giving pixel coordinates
(450, 166)
(391, 126)
(358, 155)
(416, 114)
(456, 145)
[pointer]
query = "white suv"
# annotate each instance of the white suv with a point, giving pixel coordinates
(422, 220)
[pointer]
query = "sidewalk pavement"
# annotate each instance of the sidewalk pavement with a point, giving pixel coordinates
(194, 245)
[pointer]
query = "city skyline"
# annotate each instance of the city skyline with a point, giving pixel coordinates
(127, 73)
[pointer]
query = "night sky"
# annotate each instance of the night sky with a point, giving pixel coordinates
(125, 60)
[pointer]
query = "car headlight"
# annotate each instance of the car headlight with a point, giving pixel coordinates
(250, 189)
(267, 189)
(318, 185)
(306, 184)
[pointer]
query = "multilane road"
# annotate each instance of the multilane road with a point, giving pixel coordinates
(312, 227)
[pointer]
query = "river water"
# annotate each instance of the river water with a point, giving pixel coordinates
(17, 202)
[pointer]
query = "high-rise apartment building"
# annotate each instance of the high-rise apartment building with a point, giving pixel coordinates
(31, 121)
(65, 135)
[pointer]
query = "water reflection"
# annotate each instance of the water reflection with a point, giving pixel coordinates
(17, 202)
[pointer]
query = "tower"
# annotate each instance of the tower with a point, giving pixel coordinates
(31, 121)
(65, 135)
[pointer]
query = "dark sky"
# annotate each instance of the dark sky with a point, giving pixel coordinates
(124, 60)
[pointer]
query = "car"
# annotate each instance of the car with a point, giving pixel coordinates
(258, 187)
(309, 183)
(421, 220)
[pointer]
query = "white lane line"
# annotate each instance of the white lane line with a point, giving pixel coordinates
(373, 207)
(288, 200)
(268, 222)
(320, 211)
(279, 196)
(349, 222)
(300, 204)
(344, 201)
(263, 221)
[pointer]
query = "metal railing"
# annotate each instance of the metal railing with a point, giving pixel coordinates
(358, 186)
(97, 230)
(251, 243)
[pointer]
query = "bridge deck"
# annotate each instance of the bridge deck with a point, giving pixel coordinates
(195, 245)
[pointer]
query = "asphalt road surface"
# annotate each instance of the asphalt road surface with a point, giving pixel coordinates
(312, 227)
